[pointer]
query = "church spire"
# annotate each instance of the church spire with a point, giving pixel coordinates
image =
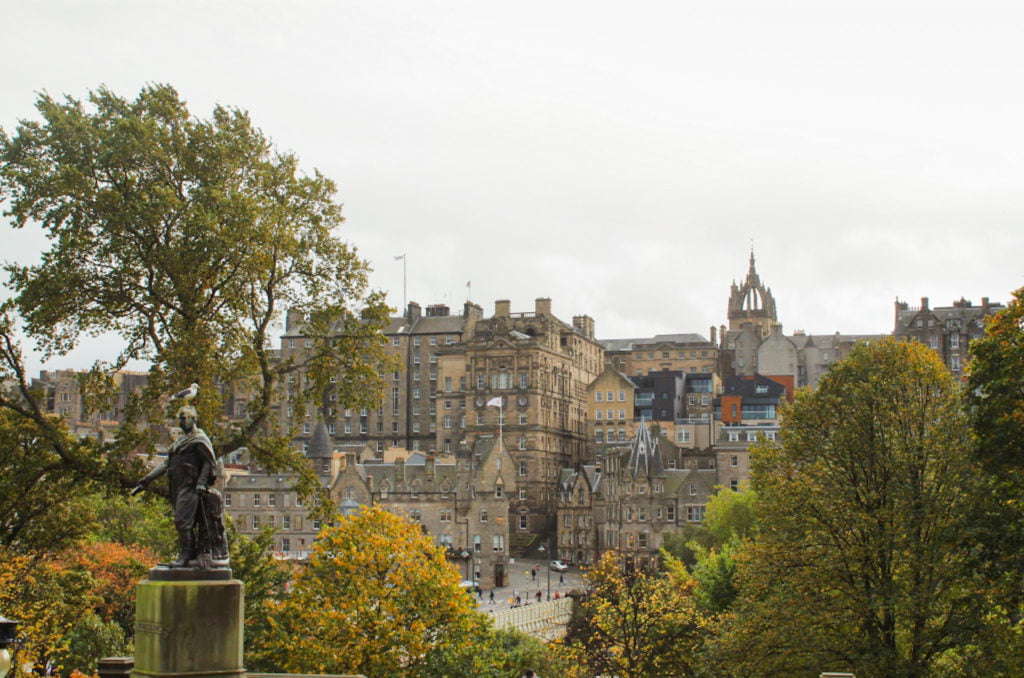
(752, 302)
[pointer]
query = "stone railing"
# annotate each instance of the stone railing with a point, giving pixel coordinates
(544, 620)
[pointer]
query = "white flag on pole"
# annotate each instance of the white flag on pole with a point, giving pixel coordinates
(399, 257)
(494, 402)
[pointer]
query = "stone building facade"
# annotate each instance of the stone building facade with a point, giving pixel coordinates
(948, 330)
(632, 497)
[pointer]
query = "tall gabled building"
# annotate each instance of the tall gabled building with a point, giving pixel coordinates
(948, 330)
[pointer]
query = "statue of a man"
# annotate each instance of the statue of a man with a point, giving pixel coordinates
(191, 469)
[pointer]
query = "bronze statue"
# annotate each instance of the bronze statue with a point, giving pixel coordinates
(191, 469)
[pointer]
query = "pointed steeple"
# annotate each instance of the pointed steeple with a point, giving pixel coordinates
(644, 455)
(320, 445)
(752, 302)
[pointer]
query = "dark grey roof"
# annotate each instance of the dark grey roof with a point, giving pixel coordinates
(645, 455)
(320, 446)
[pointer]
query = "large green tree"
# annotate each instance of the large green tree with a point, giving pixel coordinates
(867, 553)
(995, 389)
(188, 238)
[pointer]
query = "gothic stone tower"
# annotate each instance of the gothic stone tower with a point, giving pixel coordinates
(752, 302)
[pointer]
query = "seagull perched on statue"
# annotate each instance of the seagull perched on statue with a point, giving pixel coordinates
(187, 395)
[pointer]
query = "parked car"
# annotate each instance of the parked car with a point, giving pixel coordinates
(559, 566)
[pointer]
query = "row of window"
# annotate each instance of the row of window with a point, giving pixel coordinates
(750, 436)
(665, 355)
(256, 500)
(288, 522)
(600, 414)
(497, 542)
(396, 340)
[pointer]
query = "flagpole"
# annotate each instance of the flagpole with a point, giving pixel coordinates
(501, 423)
(405, 301)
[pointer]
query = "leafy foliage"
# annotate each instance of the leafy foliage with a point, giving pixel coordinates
(377, 597)
(266, 580)
(40, 509)
(996, 399)
(188, 238)
(866, 558)
(636, 624)
(996, 388)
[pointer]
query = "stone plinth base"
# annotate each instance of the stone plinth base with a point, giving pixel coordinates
(189, 629)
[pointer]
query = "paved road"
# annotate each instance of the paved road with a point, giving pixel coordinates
(526, 585)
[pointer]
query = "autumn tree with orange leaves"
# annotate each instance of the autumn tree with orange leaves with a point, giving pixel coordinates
(377, 598)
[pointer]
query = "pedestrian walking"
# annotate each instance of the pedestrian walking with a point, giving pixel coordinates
(561, 580)
(492, 596)
(538, 595)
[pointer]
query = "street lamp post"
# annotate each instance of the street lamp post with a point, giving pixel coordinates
(546, 548)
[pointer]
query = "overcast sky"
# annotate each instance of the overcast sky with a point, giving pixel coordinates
(617, 157)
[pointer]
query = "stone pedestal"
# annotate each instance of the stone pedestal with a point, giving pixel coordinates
(188, 624)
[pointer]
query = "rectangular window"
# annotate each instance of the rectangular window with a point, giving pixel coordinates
(446, 515)
(524, 522)
(599, 415)
(522, 493)
(599, 396)
(522, 468)
(954, 341)
(483, 515)
(498, 543)
(734, 461)
(256, 499)
(286, 522)
(670, 513)
(255, 522)
(598, 435)
(695, 514)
